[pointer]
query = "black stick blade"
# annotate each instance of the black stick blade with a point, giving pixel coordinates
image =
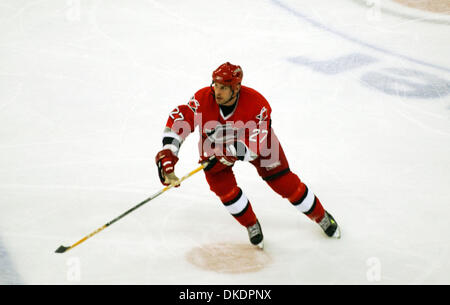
(61, 249)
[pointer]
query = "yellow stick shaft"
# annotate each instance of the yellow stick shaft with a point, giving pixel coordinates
(63, 249)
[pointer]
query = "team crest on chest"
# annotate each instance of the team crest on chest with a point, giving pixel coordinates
(223, 133)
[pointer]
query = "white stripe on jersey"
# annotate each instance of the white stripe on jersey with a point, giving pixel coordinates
(172, 134)
(168, 133)
(173, 148)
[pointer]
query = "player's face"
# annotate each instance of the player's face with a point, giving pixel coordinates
(223, 94)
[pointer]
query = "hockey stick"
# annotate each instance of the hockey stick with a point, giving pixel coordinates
(63, 249)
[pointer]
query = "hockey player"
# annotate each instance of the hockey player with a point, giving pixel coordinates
(235, 124)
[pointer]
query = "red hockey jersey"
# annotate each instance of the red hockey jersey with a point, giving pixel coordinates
(248, 124)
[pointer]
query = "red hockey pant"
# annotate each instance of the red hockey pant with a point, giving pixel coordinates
(278, 176)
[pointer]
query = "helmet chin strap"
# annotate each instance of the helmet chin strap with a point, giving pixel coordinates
(231, 97)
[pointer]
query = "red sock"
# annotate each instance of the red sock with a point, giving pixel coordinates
(248, 218)
(305, 200)
(317, 212)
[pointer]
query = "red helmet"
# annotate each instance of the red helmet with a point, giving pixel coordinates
(228, 74)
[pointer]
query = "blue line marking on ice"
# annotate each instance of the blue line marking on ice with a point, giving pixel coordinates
(336, 65)
(355, 40)
(8, 274)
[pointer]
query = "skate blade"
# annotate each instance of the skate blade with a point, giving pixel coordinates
(337, 233)
(260, 245)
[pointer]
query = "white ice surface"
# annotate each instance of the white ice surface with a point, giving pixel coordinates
(85, 90)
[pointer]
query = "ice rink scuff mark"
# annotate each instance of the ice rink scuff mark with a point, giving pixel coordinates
(8, 274)
(352, 39)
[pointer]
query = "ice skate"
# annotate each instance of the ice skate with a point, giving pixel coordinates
(255, 235)
(330, 226)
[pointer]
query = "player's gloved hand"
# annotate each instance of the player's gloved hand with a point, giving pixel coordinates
(221, 159)
(226, 156)
(166, 160)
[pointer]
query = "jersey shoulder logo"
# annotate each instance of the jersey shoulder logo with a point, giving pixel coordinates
(193, 104)
(262, 116)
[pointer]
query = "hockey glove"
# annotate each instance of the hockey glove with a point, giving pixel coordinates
(226, 156)
(166, 160)
(220, 160)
